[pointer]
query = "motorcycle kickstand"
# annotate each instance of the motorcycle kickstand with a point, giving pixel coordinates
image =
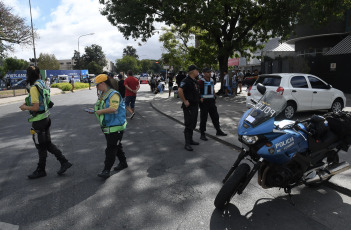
(288, 191)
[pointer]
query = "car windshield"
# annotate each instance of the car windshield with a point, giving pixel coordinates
(270, 105)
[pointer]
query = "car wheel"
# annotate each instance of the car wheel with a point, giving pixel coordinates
(289, 110)
(337, 106)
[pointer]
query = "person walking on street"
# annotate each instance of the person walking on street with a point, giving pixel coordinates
(132, 87)
(121, 87)
(208, 104)
(72, 83)
(170, 85)
(188, 92)
(110, 112)
(89, 82)
(38, 104)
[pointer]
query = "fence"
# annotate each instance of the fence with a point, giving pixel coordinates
(12, 92)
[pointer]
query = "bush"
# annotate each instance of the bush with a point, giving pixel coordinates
(68, 86)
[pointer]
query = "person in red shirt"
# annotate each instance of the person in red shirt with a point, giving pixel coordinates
(132, 86)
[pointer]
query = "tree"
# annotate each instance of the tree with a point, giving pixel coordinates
(93, 53)
(130, 51)
(127, 63)
(48, 61)
(13, 29)
(146, 65)
(12, 64)
(76, 60)
(231, 25)
(94, 68)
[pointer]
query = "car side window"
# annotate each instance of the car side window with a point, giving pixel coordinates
(299, 82)
(269, 81)
(317, 84)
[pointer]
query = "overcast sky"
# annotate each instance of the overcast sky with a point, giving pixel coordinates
(59, 23)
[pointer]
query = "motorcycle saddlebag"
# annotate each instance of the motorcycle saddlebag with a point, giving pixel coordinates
(340, 123)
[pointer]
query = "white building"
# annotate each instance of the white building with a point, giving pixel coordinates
(67, 64)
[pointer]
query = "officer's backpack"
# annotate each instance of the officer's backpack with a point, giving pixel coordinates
(45, 93)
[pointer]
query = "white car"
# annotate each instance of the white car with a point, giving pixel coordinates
(303, 92)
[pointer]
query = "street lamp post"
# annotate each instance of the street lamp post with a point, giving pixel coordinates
(31, 21)
(78, 47)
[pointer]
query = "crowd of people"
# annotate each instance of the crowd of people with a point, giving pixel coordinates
(115, 98)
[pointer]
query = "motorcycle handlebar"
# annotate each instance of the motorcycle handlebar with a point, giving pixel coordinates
(301, 129)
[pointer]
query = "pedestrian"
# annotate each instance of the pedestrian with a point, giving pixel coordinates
(170, 85)
(89, 82)
(111, 114)
(72, 83)
(132, 86)
(188, 92)
(47, 82)
(240, 76)
(38, 107)
(121, 87)
(226, 84)
(208, 104)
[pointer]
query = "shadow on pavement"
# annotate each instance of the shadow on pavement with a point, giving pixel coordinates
(314, 209)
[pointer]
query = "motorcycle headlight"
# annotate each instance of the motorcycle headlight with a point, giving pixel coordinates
(250, 140)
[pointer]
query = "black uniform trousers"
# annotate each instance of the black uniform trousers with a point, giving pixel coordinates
(114, 148)
(190, 120)
(208, 106)
(42, 128)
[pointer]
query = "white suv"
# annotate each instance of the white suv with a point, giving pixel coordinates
(303, 92)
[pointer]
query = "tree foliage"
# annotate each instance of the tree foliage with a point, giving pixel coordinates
(94, 68)
(128, 63)
(13, 29)
(48, 61)
(230, 25)
(93, 53)
(130, 51)
(12, 64)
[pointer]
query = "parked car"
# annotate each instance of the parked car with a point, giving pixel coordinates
(20, 84)
(303, 92)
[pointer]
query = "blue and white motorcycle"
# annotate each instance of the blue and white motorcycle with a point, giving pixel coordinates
(285, 153)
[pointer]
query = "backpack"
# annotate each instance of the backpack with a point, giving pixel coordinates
(45, 93)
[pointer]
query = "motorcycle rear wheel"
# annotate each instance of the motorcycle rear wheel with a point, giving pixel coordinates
(230, 188)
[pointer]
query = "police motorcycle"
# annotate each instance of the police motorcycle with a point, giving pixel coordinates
(285, 153)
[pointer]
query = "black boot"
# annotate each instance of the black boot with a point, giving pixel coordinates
(194, 142)
(121, 166)
(37, 174)
(220, 133)
(64, 167)
(188, 147)
(203, 137)
(104, 174)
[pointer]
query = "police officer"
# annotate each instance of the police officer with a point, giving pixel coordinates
(208, 104)
(189, 93)
(38, 107)
(111, 114)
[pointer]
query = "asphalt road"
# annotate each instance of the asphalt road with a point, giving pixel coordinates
(165, 187)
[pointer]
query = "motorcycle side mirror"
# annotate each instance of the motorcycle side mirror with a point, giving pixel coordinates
(261, 88)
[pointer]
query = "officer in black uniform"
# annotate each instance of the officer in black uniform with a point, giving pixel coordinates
(208, 104)
(189, 93)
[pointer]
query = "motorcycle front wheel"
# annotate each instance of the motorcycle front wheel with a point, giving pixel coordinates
(230, 188)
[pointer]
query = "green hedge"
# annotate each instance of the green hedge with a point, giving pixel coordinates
(68, 86)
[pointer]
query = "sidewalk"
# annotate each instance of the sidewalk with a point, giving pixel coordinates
(230, 110)
(8, 100)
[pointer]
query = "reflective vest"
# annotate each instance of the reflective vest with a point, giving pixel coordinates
(111, 122)
(43, 111)
(208, 88)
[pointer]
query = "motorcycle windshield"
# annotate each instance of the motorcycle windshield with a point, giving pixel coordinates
(269, 106)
